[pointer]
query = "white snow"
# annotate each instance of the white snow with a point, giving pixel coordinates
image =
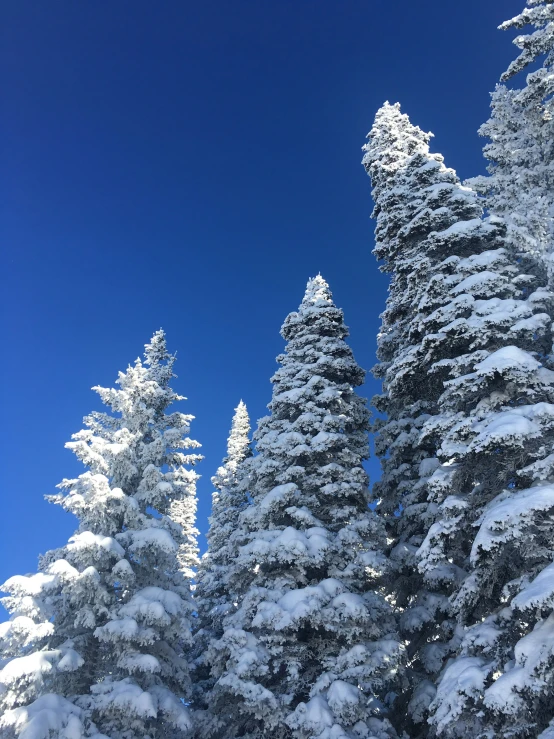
(539, 593)
(533, 656)
(88, 540)
(48, 716)
(507, 358)
(462, 680)
(507, 516)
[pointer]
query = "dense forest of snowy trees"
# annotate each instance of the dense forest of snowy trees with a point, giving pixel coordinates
(325, 608)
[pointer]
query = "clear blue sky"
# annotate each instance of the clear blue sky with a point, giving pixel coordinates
(189, 165)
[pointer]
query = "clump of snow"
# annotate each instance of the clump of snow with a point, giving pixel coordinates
(507, 358)
(462, 681)
(48, 716)
(533, 657)
(507, 516)
(539, 593)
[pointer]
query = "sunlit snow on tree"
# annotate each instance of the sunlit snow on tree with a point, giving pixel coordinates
(97, 639)
(311, 650)
(215, 595)
(470, 366)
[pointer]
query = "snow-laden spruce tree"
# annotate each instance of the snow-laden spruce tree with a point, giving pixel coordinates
(475, 353)
(96, 641)
(214, 596)
(311, 650)
(520, 185)
(423, 214)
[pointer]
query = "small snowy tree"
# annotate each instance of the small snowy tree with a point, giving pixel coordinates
(97, 638)
(214, 596)
(520, 185)
(311, 650)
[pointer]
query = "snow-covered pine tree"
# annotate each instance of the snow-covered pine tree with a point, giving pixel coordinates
(423, 213)
(480, 334)
(311, 651)
(520, 185)
(214, 598)
(97, 638)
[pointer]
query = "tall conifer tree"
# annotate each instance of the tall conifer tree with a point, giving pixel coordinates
(98, 636)
(474, 526)
(422, 212)
(311, 651)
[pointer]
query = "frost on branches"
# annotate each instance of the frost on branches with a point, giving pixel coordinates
(423, 214)
(96, 641)
(476, 354)
(520, 185)
(535, 45)
(214, 596)
(311, 650)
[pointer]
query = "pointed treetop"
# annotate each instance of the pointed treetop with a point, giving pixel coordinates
(158, 359)
(240, 417)
(317, 292)
(404, 173)
(156, 349)
(393, 132)
(238, 443)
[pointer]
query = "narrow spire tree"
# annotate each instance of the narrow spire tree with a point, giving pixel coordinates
(214, 596)
(311, 651)
(112, 655)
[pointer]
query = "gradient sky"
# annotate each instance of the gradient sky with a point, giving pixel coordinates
(189, 165)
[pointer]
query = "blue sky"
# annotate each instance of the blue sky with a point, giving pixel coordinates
(189, 165)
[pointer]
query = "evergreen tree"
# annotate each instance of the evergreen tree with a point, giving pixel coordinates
(213, 596)
(311, 650)
(520, 185)
(476, 353)
(97, 638)
(422, 214)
